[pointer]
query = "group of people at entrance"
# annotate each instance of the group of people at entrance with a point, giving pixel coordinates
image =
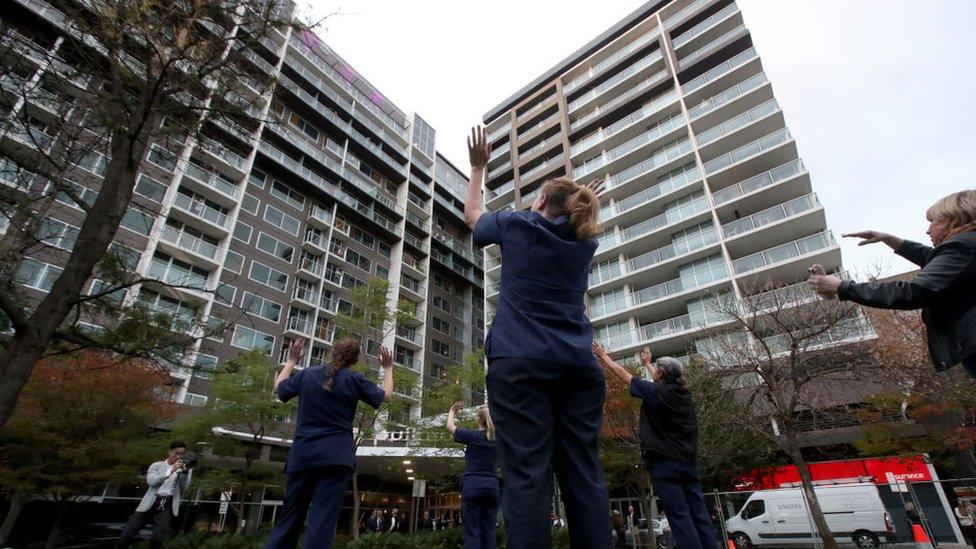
(546, 379)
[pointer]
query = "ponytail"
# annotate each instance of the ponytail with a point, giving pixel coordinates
(344, 355)
(581, 204)
(484, 416)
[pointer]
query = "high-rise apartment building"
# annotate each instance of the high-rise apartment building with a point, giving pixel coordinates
(285, 217)
(706, 194)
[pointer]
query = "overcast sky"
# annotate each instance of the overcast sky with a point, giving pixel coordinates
(878, 93)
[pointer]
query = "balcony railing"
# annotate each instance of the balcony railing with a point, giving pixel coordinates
(728, 95)
(540, 168)
(783, 252)
(611, 60)
(653, 257)
(664, 186)
(225, 154)
(654, 132)
(658, 158)
(320, 214)
(652, 224)
(648, 109)
(659, 291)
(772, 140)
(300, 325)
(500, 131)
(506, 188)
(539, 124)
(200, 210)
(738, 121)
(620, 99)
(686, 12)
(302, 293)
(771, 215)
(739, 59)
(212, 180)
(507, 146)
(713, 46)
(189, 242)
(643, 63)
(700, 28)
(175, 276)
(765, 179)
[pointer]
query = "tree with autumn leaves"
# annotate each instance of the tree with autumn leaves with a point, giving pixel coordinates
(83, 421)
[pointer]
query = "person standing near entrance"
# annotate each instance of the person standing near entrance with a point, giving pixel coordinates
(479, 485)
(167, 480)
(545, 389)
(323, 453)
(669, 444)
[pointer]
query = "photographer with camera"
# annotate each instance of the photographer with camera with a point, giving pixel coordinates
(167, 479)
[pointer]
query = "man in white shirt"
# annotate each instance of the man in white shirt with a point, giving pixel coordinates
(167, 480)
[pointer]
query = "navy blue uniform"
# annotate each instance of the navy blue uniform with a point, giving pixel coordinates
(479, 489)
(669, 439)
(545, 388)
(323, 453)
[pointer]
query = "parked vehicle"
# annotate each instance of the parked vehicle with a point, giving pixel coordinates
(662, 534)
(854, 513)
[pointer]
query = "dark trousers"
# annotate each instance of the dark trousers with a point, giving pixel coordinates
(546, 415)
(677, 484)
(317, 494)
(969, 364)
(480, 512)
(159, 515)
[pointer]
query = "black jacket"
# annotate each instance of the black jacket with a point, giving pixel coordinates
(945, 290)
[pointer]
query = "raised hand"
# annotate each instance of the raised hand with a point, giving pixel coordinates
(597, 186)
(456, 407)
(869, 237)
(598, 349)
(479, 150)
(646, 357)
(297, 349)
(386, 359)
(825, 285)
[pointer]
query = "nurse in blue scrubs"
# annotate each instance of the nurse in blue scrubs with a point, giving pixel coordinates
(545, 388)
(479, 485)
(323, 453)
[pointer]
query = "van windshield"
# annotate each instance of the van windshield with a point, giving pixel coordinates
(753, 509)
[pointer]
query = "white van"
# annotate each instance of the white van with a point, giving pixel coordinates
(854, 513)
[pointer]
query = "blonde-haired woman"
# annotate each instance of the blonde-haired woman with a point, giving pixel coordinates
(479, 484)
(944, 288)
(545, 388)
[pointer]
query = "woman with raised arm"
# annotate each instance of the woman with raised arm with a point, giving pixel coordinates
(479, 485)
(323, 452)
(545, 389)
(944, 288)
(669, 445)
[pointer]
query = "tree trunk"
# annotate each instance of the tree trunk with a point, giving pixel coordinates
(31, 339)
(816, 513)
(52, 538)
(17, 503)
(354, 519)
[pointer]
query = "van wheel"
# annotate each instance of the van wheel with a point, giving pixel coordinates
(863, 538)
(741, 540)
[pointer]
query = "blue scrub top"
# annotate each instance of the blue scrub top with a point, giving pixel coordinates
(541, 314)
(479, 458)
(323, 435)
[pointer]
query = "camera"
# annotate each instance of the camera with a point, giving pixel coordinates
(189, 459)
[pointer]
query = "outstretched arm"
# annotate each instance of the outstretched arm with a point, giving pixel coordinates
(386, 361)
(295, 353)
(608, 364)
(478, 152)
(451, 424)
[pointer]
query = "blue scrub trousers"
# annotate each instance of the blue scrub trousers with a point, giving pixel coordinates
(317, 494)
(480, 514)
(549, 414)
(678, 486)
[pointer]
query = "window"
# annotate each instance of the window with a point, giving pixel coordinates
(753, 509)
(441, 325)
(150, 188)
(86, 195)
(440, 348)
(269, 244)
(136, 221)
(58, 234)
(440, 281)
(257, 178)
(234, 262)
(95, 163)
(126, 256)
(363, 238)
(259, 306)
(249, 338)
(224, 294)
(268, 276)
(359, 260)
(98, 286)
(242, 232)
(173, 271)
(349, 281)
(204, 366)
(193, 399)
(382, 272)
(305, 126)
(287, 195)
(441, 303)
(250, 204)
(183, 315)
(160, 157)
(385, 250)
(341, 226)
(281, 220)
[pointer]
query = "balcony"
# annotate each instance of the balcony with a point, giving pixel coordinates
(611, 60)
(777, 213)
(300, 326)
(712, 47)
(224, 157)
(737, 122)
(523, 132)
(194, 245)
(211, 185)
(171, 275)
(686, 13)
(619, 100)
(497, 153)
(317, 242)
(727, 95)
(751, 149)
(200, 213)
(414, 290)
(716, 72)
(615, 80)
(304, 296)
(541, 145)
(410, 336)
(645, 260)
(784, 253)
(502, 168)
(655, 132)
(651, 107)
(504, 130)
(414, 264)
(763, 180)
(845, 331)
(415, 242)
(501, 191)
(328, 304)
(660, 157)
(550, 164)
(333, 275)
(703, 26)
(679, 179)
(320, 216)
(658, 292)
(670, 217)
(310, 267)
